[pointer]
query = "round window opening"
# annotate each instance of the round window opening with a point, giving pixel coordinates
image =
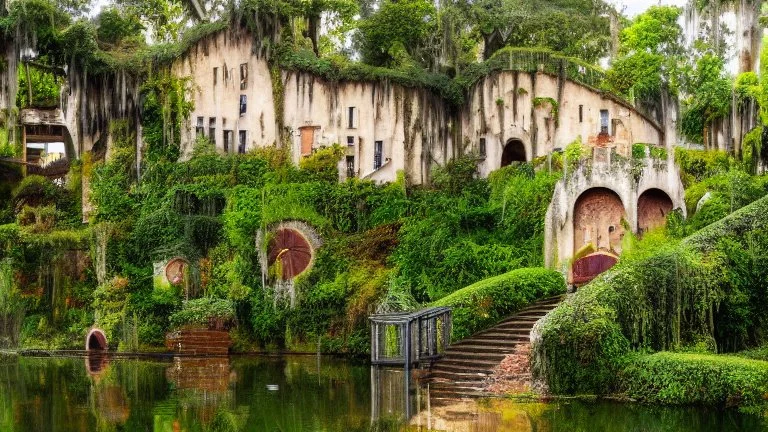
(175, 270)
(290, 251)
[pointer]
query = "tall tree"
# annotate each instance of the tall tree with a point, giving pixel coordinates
(580, 28)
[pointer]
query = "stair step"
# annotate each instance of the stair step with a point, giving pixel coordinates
(456, 368)
(480, 349)
(504, 335)
(468, 364)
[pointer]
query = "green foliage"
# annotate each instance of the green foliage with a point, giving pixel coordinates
(650, 54)
(391, 35)
(484, 303)
(45, 86)
(114, 26)
(203, 311)
(688, 379)
(662, 295)
(322, 165)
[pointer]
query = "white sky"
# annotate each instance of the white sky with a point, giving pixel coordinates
(634, 7)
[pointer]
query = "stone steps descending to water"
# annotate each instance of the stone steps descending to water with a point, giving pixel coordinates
(469, 365)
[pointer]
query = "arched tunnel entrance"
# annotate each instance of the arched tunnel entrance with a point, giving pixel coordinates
(597, 219)
(653, 206)
(598, 228)
(96, 341)
(514, 151)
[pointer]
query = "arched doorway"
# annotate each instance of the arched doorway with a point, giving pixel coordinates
(653, 206)
(597, 220)
(514, 151)
(96, 341)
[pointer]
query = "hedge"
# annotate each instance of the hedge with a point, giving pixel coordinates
(699, 289)
(686, 379)
(486, 302)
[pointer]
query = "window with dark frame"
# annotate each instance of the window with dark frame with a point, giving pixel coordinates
(351, 117)
(243, 76)
(215, 76)
(241, 141)
(350, 141)
(482, 147)
(200, 128)
(581, 113)
(243, 104)
(604, 120)
(350, 166)
(378, 149)
(212, 130)
(227, 140)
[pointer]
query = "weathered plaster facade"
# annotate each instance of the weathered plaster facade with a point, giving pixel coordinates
(570, 224)
(517, 106)
(386, 127)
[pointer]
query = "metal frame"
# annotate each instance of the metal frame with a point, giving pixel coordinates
(420, 336)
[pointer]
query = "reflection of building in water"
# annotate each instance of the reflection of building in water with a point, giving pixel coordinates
(109, 402)
(207, 376)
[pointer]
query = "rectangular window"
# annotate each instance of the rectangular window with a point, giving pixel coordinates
(350, 166)
(215, 76)
(243, 104)
(351, 120)
(226, 74)
(482, 147)
(581, 113)
(378, 149)
(243, 76)
(199, 128)
(227, 140)
(604, 121)
(212, 130)
(350, 141)
(241, 141)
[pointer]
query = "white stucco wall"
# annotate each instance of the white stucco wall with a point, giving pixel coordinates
(616, 176)
(500, 108)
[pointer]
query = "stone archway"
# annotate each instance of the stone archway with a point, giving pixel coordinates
(653, 206)
(598, 216)
(514, 151)
(96, 340)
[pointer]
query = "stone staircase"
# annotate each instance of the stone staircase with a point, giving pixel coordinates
(469, 365)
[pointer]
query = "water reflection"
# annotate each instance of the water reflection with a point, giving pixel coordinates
(312, 394)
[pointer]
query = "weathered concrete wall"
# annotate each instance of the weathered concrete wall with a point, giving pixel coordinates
(214, 65)
(416, 128)
(413, 125)
(502, 107)
(564, 231)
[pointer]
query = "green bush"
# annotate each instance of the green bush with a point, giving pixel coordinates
(201, 311)
(667, 296)
(484, 303)
(683, 379)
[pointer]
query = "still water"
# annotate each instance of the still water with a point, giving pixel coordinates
(295, 393)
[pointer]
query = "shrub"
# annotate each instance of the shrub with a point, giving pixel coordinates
(204, 311)
(664, 298)
(681, 379)
(484, 303)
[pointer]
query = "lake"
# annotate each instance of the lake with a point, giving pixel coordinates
(287, 393)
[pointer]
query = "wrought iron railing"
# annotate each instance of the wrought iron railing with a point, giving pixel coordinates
(409, 338)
